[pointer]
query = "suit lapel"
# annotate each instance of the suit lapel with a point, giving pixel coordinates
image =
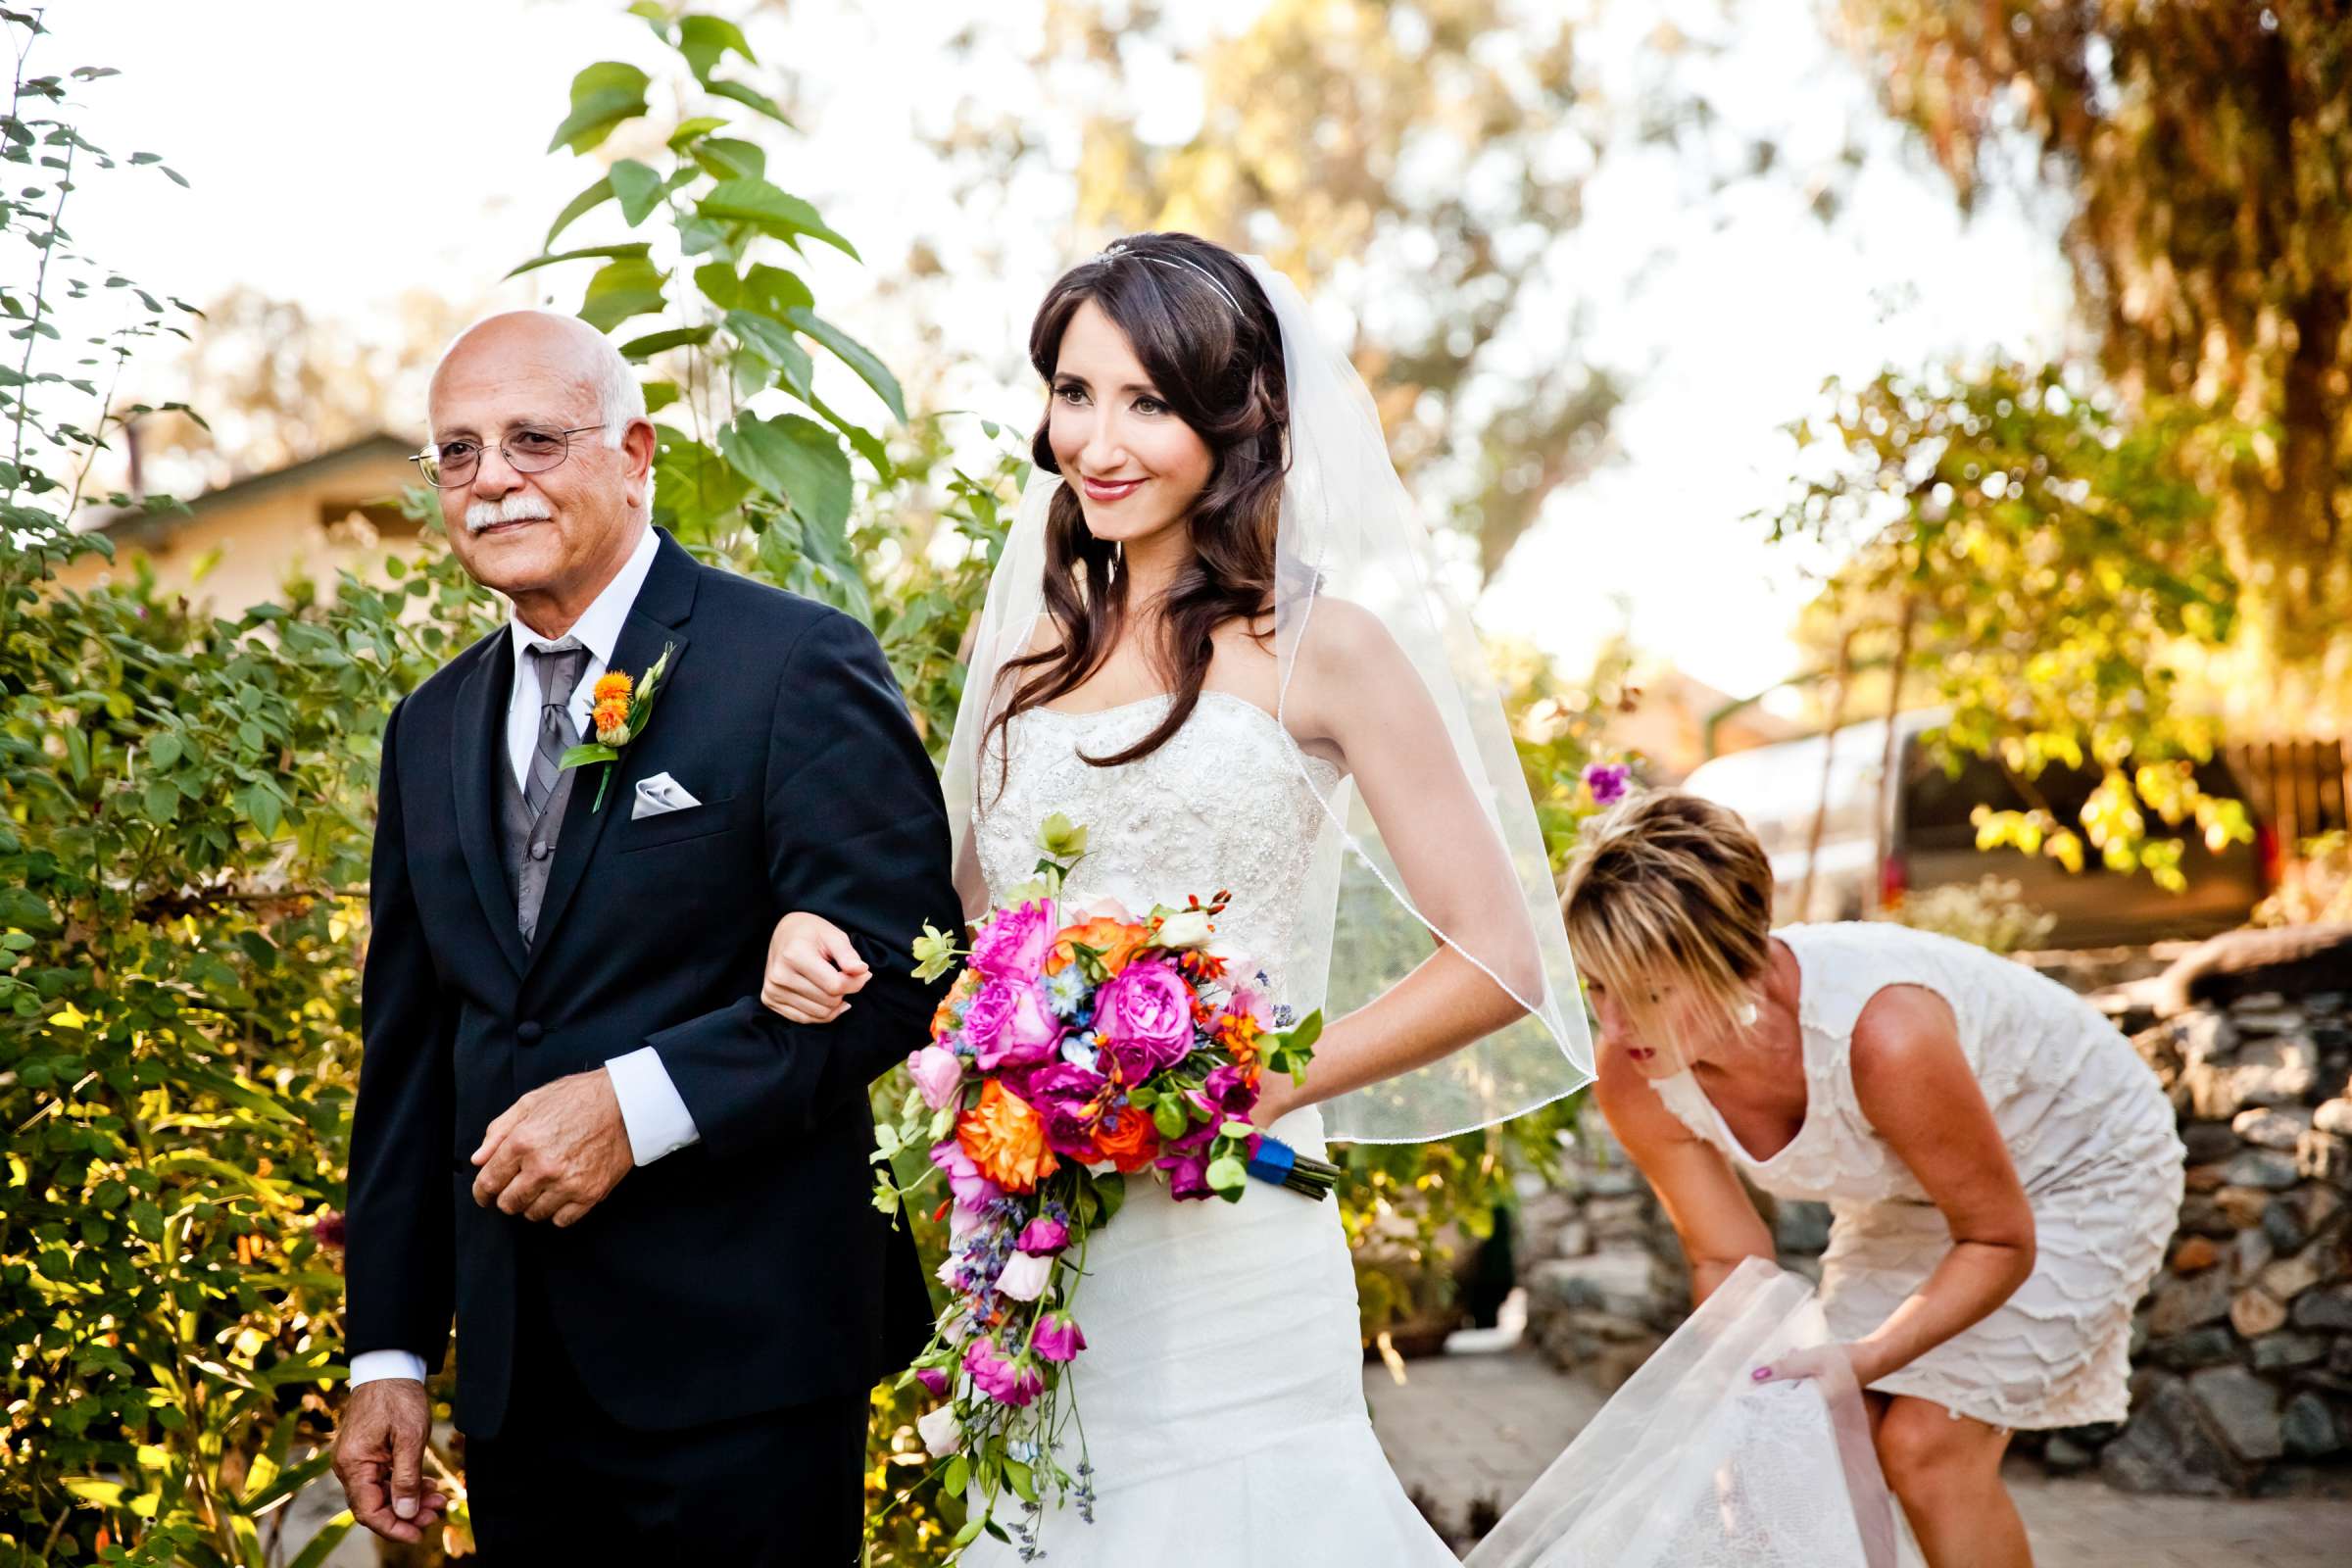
(662, 607)
(478, 750)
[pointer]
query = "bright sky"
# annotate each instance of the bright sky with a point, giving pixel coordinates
(340, 153)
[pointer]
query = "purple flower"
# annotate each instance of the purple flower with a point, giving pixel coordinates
(1015, 945)
(1229, 1094)
(1045, 1236)
(971, 1189)
(1014, 1381)
(933, 1379)
(1146, 1010)
(1008, 1023)
(1188, 1175)
(1058, 1337)
(1607, 781)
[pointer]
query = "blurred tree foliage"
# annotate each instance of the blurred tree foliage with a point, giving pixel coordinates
(2027, 557)
(2202, 153)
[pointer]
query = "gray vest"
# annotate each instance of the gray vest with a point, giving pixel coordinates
(530, 848)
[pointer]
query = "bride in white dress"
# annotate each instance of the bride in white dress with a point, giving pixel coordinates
(1216, 643)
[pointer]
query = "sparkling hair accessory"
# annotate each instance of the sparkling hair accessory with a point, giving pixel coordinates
(1116, 253)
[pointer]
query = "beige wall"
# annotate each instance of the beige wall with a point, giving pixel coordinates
(310, 525)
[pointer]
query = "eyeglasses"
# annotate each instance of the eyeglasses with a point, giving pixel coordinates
(529, 450)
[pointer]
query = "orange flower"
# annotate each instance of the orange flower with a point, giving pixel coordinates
(1116, 939)
(1238, 1032)
(1127, 1139)
(943, 1021)
(613, 687)
(612, 718)
(1006, 1140)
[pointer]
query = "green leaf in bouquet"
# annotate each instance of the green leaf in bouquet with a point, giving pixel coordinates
(1170, 1117)
(1018, 1476)
(886, 1197)
(969, 1534)
(1227, 1175)
(1236, 1129)
(934, 952)
(957, 1476)
(941, 1120)
(582, 755)
(886, 1141)
(1143, 1099)
(1110, 1191)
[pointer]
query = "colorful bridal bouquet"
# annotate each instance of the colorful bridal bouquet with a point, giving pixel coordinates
(1078, 1047)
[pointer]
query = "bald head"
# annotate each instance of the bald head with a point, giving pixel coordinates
(564, 348)
(546, 468)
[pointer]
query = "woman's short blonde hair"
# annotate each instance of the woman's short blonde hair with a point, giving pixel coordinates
(1669, 887)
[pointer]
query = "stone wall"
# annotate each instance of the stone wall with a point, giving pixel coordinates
(2242, 1351)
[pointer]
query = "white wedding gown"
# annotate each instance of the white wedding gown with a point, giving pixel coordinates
(1221, 1390)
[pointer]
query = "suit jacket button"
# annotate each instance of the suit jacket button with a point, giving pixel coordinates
(528, 1031)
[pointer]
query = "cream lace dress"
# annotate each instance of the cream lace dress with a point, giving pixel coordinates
(2089, 1132)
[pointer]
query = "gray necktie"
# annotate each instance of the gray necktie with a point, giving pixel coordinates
(558, 666)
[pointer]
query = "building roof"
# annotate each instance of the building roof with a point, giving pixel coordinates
(135, 526)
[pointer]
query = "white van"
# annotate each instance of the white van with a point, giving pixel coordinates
(1931, 839)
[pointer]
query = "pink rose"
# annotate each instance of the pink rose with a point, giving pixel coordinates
(1058, 1337)
(1010, 1023)
(1015, 945)
(1014, 1381)
(971, 1189)
(1146, 1011)
(1045, 1237)
(938, 1075)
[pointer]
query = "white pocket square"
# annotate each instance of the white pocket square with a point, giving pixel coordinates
(659, 795)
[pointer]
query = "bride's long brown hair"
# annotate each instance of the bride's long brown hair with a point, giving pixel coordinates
(1219, 369)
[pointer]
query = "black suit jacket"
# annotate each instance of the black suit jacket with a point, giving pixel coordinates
(748, 1271)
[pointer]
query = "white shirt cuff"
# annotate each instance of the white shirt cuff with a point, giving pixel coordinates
(657, 1120)
(373, 1366)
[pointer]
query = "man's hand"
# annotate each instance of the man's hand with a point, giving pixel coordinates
(379, 1457)
(812, 970)
(556, 1152)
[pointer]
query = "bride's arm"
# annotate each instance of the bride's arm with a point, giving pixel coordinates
(1915, 1087)
(1712, 1215)
(1353, 688)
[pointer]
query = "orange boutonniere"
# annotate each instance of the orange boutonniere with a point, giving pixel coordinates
(622, 707)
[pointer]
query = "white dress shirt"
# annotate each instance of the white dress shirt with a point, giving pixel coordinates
(656, 1118)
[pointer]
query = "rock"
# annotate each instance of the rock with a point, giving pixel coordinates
(1801, 1227)
(1613, 1180)
(2282, 1223)
(2281, 1072)
(2334, 1116)
(2290, 1277)
(2256, 1311)
(2279, 1353)
(2201, 1179)
(2211, 1345)
(2243, 1408)
(2325, 1157)
(2330, 1308)
(2208, 1143)
(2185, 1303)
(2270, 1127)
(2194, 1253)
(2249, 1255)
(2256, 968)
(1575, 1239)
(2202, 1217)
(1607, 1282)
(2309, 1428)
(2258, 1002)
(2206, 1037)
(2242, 1206)
(2266, 1020)
(2261, 1167)
(2165, 1448)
